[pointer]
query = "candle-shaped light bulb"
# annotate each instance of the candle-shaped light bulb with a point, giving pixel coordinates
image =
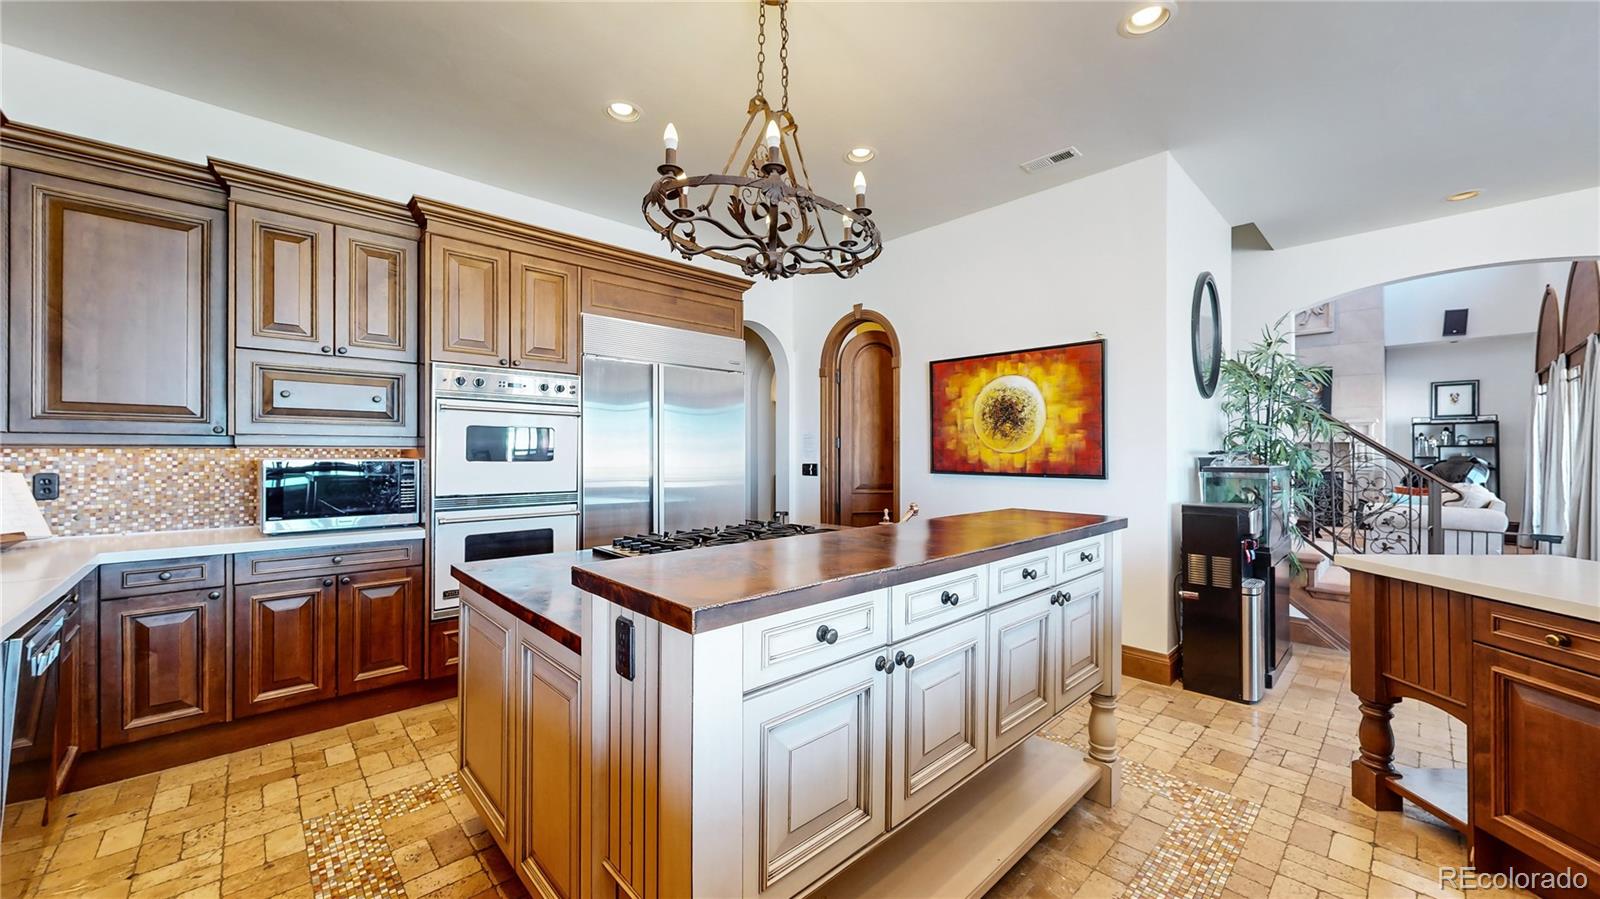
(861, 190)
(844, 222)
(669, 137)
(772, 134)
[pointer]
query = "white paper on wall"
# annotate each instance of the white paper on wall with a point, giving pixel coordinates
(18, 511)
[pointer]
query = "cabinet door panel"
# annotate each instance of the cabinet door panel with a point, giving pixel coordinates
(488, 672)
(69, 697)
(938, 726)
(469, 302)
(282, 281)
(284, 637)
(544, 314)
(1078, 661)
(117, 311)
(814, 761)
(380, 629)
(549, 784)
(375, 295)
(162, 664)
(1021, 688)
(279, 393)
(1531, 721)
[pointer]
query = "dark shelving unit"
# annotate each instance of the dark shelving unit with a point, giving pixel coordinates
(1462, 431)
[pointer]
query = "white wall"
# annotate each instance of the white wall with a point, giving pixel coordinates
(1505, 381)
(38, 90)
(1270, 283)
(1500, 300)
(1355, 353)
(1058, 266)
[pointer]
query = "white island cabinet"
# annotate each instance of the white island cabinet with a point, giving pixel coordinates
(866, 728)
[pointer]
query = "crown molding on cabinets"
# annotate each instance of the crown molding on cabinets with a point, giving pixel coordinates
(52, 152)
(297, 195)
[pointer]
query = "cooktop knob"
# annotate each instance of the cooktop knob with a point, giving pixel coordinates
(561, 388)
(460, 381)
(477, 382)
(544, 387)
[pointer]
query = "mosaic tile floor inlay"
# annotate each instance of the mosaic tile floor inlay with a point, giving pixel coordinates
(1220, 801)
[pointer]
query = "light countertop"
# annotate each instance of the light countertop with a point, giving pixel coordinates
(1557, 584)
(33, 574)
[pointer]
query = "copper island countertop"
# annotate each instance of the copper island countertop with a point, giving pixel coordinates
(713, 587)
(536, 589)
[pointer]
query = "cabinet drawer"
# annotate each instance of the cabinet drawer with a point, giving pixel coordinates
(1082, 557)
(284, 393)
(252, 567)
(924, 605)
(160, 576)
(1020, 575)
(791, 643)
(1571, 642)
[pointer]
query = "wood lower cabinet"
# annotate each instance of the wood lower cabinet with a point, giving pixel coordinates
(284, 644)
(118, 320)
(380, 629)
(549, 758)
(488, 692)
(69, 741)
(1535, 733)
(163, 664)
(814, 774)
(938, 728)
(1021, 685)
(444, 647)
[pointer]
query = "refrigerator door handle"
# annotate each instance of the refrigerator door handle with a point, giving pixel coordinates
(658, 511)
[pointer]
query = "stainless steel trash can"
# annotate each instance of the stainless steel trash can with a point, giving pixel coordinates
(1252, 639)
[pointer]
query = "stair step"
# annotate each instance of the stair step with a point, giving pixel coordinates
(1331, 581)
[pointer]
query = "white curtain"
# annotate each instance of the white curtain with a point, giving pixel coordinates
(1545, 502)
(1583, 534)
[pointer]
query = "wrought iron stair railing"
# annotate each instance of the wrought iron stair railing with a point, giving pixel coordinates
(1372, 499)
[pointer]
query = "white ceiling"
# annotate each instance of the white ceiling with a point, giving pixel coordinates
(1311, 119)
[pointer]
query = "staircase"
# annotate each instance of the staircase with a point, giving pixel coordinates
(1368, 502)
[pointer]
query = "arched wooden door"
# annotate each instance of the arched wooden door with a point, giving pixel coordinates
(865, 452)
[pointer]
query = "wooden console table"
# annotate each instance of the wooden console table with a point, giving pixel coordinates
(1509, 645)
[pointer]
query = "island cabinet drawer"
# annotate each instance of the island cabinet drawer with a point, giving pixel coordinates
(1081, 558)
(1571, 642)
(926, 604)
(160, 576)
(1020, 575)
(268, 566)
(790, 643)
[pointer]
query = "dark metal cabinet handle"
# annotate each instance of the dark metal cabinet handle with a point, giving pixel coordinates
(949, 598)
(284, 394)
(338, 559)
(377, 399)
(1558, 639)
(342, 350)
(217, 429)
(165, 576)
(327, 349)
(884, 664)
(214, 594)
(827, 635)
(1030, 574)
(904, 659)
(345, 579)
(504, 362)
(327, 582)
(516, 363)
(1086, 556)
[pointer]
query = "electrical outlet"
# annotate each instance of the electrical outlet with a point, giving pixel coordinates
(808, 469)
(46, 486)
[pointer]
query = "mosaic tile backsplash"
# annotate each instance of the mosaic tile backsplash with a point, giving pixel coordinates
(119, 490)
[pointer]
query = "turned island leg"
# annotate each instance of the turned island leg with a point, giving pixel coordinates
(1103, 701)
(1373, 771)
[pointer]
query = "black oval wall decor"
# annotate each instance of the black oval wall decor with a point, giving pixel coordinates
(1205, 339)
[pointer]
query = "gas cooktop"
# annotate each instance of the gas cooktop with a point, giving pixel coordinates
(727, 535)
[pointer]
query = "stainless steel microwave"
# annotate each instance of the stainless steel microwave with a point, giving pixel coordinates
(300, 495)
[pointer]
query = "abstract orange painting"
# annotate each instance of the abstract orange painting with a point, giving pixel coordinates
(1038, 412)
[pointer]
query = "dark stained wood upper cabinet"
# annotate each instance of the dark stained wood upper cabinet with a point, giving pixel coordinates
(375, 294)
(118, 310)
(469, 302)
(380, 629)
(282, 281)
(544, 314)
(163, 664)
(625, 295)
(284, 643)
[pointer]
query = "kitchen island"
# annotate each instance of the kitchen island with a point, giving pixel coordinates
(833, 714)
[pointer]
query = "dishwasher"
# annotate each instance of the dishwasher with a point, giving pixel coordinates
(30, 663)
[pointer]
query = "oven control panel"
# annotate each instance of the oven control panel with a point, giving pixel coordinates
(552, 388)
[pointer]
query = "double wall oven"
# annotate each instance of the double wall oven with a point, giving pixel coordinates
(505, 460)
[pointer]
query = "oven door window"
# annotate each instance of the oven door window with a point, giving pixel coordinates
(494, 443)
(509, 544)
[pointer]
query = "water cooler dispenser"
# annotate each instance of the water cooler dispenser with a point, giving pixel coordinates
(1225, 600)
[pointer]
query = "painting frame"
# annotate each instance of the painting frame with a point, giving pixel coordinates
(1447, 415)
(1098, 400)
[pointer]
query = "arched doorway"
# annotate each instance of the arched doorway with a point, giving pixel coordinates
(860, 461)
(761, 428)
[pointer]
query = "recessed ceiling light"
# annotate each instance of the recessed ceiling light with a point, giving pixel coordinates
(858, 155)
(1145, 19)
(623, 111)
(1464, 195)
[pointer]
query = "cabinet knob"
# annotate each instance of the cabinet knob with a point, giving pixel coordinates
(904, 659)
(377, 399)
(1086, 556)
(1030, 574)
(516, 363)
(1558, 639)
(345, 579)
(327, 582)
(827, 635)
(217, 429)
(884, 664)
(327, 349)
(165, 576)
(338, 559)
(284, 394)
(504, 362)
(214, 594)
(949, 598)
(342, 350)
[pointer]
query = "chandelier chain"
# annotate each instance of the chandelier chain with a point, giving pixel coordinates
(783, 48)
(761, 51)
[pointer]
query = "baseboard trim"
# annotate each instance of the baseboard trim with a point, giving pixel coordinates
(1156, 667)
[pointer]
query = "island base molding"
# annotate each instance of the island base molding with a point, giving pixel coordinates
(1156, 667)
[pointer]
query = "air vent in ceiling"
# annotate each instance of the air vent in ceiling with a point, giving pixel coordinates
(1050, 159)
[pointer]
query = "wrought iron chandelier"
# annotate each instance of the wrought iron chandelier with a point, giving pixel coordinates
(771, 222)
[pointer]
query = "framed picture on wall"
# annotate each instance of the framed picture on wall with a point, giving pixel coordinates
(1033, 413)
(1455, 399)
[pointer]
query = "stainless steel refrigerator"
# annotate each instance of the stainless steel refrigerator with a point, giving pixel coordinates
(663, 429)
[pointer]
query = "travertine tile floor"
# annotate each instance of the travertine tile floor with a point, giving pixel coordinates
(1219, 800)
